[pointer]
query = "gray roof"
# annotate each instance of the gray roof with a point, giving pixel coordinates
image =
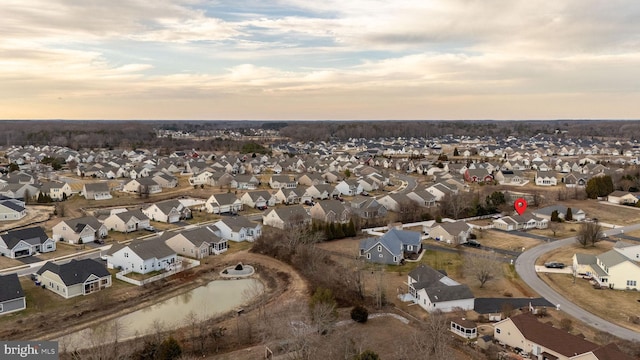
(78, 224)
(393, 240)
(127, 215)
(236, 223)
(12, 205)
(97, 186)
(201, 235)
(76, 271)
(289, 212)
(225, 198)
(332, 205)
(453, 228)
(168, 205)
(33, 236)
(10, 287)
(612, 258)
(148, 249)
(254, 195)
(438, 287)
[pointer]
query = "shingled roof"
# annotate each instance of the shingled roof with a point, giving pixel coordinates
(75, 271)
(10, 287)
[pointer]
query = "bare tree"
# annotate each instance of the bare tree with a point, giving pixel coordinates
(379, 287)
(589, 234)
(554, 227)
(483, 268)
(455, 204)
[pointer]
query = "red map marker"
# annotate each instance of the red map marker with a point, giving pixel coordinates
(520, 205)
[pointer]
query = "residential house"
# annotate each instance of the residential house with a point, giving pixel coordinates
(197, 243)
(201, 178)
(321, 191)
(11, 294)
(311, 179)
(282, 181)
(19, 191)
(612, 269)
(511, 177)
(237, 228)
(75, 278)
(25, 242)
(96, 191)
(330, 211)
(527, 335)
(525, 221)
(456, 233)
(332, 177)
(127, 221)
(258, 199)
(143, 185)
(284, 217)
(622, 197)
(394, 202)
(478, 176)
(245, 182)
(223, 203)
(169, 211)
(367, 208)
(297, 195)
(391, 247)
(423, 198)
(545, 178)
(56, 190)
(574, 180)
(12, 209)
(440, 190)
(368, 184)
(80, 230)
(143, 256)
(349, 187)
(435, 291)
(165, 180)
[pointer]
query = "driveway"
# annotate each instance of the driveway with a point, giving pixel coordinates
(525, 266)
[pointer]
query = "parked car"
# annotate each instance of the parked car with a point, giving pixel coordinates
(554, 265)
(150, 228)
(473, 243)
(99, 241)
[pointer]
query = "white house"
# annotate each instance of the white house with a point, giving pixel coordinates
(169, 211)
(223, 203)
(10, 209)
(238, 228)
(433, 291)
(142, 256)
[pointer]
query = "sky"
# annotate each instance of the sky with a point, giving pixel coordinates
(327, 60)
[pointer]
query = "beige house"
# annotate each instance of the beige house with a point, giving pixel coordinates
(525, 334)
(450, 232)
(612, 269)
(83, 230)
(197, 243)
(77, 277)
(127, 221)
(286, 216)
(330, 211)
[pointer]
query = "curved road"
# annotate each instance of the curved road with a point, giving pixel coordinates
(525, 266)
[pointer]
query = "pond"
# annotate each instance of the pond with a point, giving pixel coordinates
(200, 303)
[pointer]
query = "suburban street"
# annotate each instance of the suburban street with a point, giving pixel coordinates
(525, 266)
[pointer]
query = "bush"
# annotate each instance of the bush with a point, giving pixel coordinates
(359, 314)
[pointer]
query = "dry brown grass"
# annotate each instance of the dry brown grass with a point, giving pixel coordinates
(584, 295)
(565, 229)
(607, 213)
(506, 241)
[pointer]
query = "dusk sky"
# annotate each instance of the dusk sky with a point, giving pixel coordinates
(331, 59)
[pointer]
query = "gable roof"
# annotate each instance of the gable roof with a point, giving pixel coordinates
(127, 215)
(75, 271)
(439, 287)
(236, 223)
(550, 337)
(33, 236)
(148, 249)
(200, 235)
(10, 287)
(78, 224)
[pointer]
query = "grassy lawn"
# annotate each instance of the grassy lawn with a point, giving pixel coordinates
(619, 215)
(597, 301)
(565, 229)
(137, 276)
(506, 241)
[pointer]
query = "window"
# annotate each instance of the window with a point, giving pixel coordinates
(395, 259)
(631, 283)
(379, 248)
(126, 254)
(368, 255)
(1, 310)
(497, 331)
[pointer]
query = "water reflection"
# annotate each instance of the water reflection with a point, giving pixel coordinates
(216, 297)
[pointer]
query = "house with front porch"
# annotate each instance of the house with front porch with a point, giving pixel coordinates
(197, 243)
(391, 247)
(237, 228)
(525, 221)
(142, 256)
(223, 203)
(20, 243)
(434, 291)
(75, 278)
